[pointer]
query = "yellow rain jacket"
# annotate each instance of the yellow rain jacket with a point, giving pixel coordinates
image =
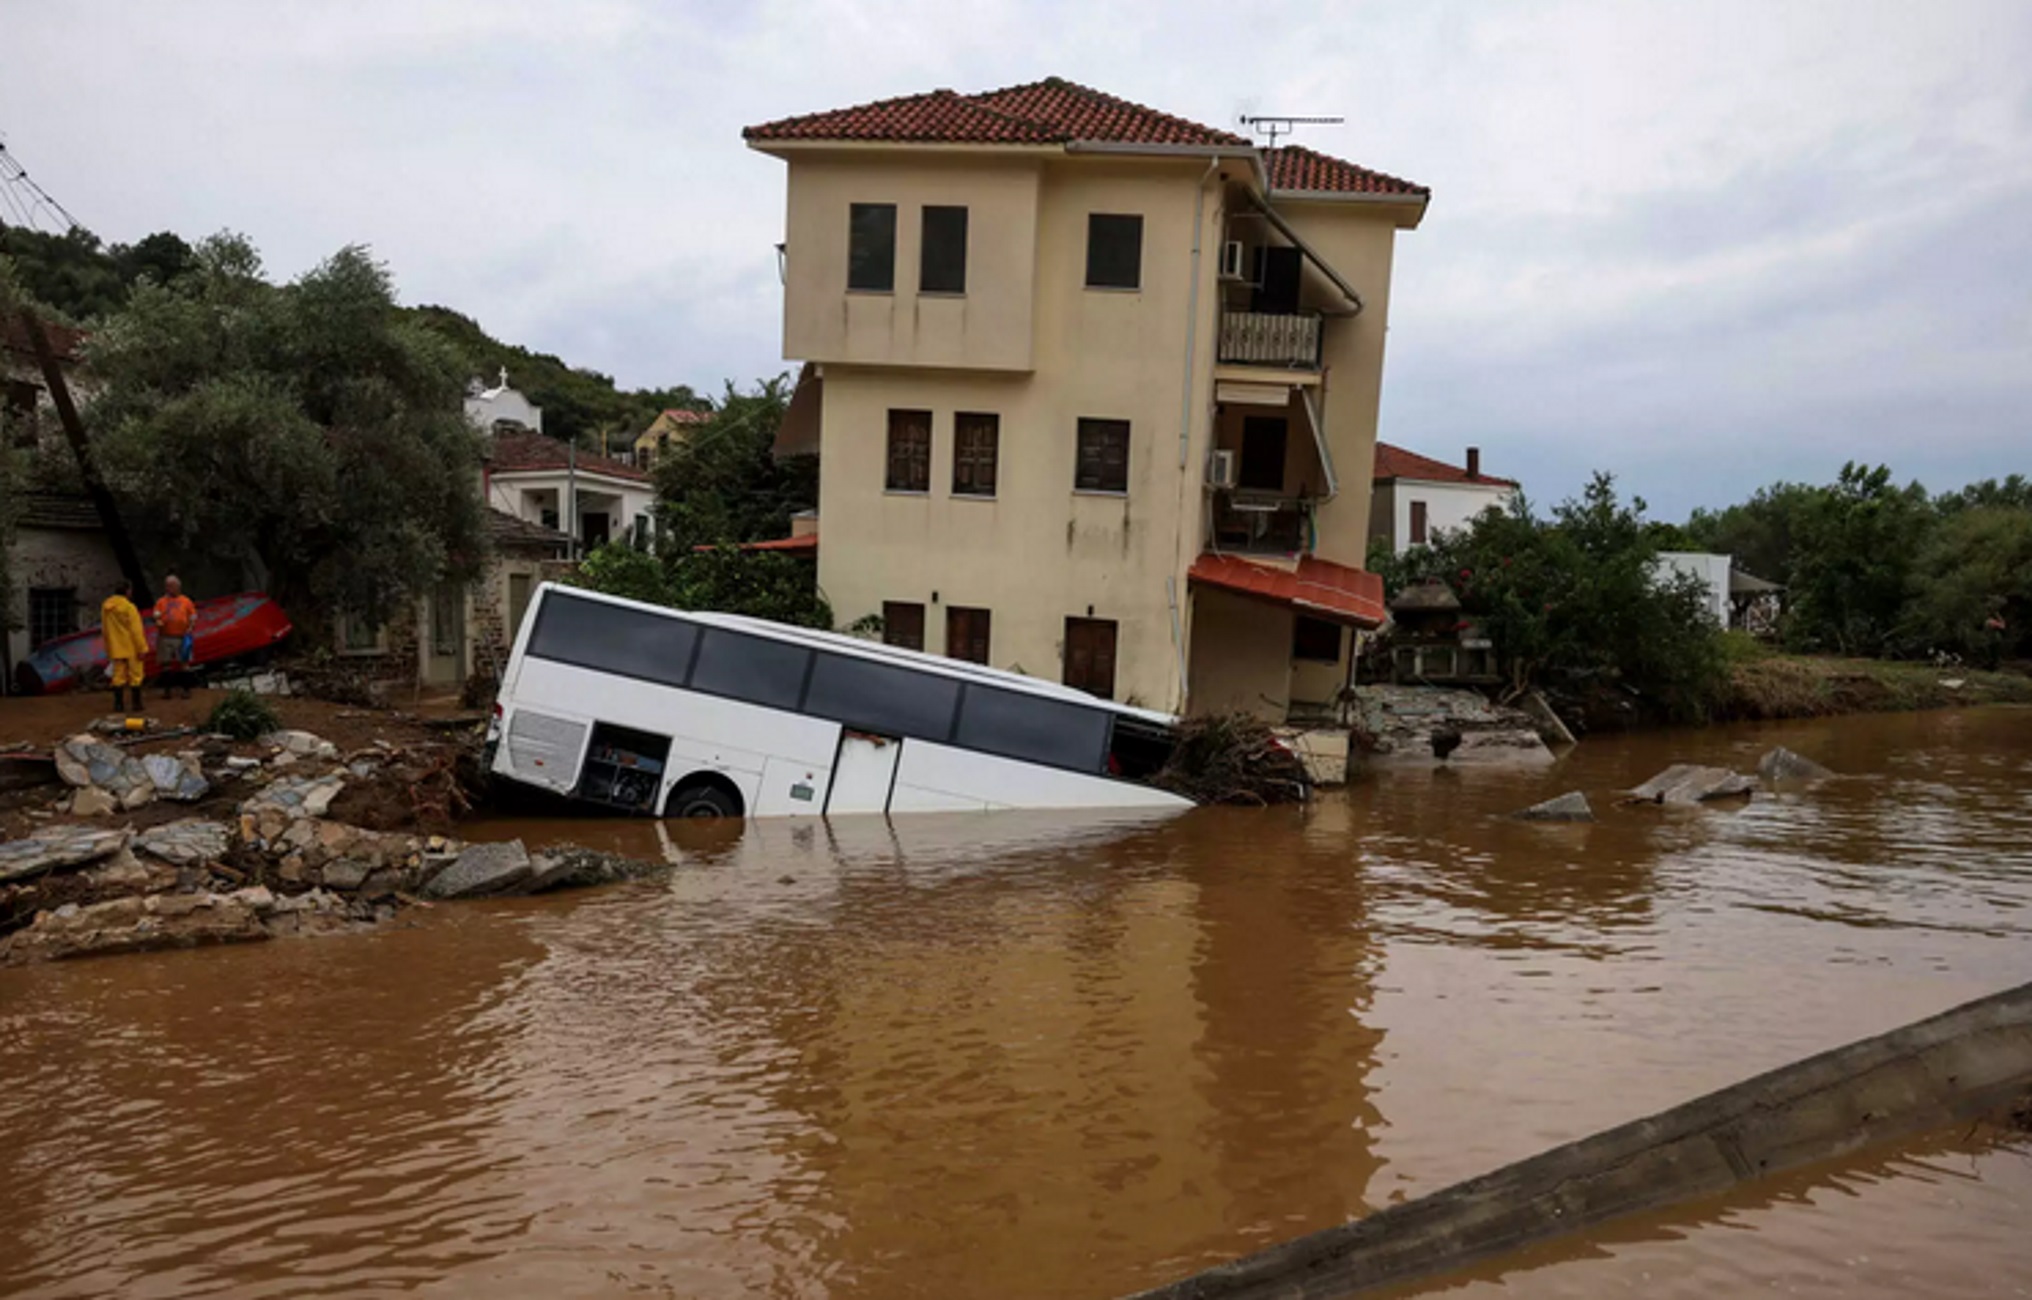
(121, 624)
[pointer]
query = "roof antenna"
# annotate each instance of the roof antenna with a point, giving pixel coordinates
(1271, 126)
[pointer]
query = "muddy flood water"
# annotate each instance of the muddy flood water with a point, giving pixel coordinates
(1017, 1055)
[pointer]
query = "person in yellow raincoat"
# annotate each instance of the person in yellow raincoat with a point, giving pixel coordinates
(126, 643)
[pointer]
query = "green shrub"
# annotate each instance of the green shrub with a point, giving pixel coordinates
(243, 715)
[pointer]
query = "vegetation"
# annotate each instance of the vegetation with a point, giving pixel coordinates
(764, 584)
(310, 427)
(243, 715)
(82, 279)
(1577, 600)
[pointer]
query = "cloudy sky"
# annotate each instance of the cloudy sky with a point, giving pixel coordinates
(1701, 245)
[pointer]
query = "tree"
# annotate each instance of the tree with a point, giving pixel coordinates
(1759, 533)
(72, 273)
(1581, 596)
(724, 484)
(1854, 548)
(761, 584)
(1975, 567)
(311, 428)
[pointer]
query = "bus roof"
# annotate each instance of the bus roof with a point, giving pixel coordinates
(836, 641)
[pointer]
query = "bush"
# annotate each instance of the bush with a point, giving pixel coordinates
(243, 715)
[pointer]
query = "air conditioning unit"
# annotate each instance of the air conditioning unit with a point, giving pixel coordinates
(1221, 470)
(1231, 261)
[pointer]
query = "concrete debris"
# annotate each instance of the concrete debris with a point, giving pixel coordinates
(239, 763)
(572, 867)
(57, 846)
(1690, 783)
(346, 873)
(1551, 729)
(1569, 807)
(1781, 764)
(91, 801)
(297, 796)
(178, 778)
(482, 869)
(303, 744)
(266, 683)
(85, 761)
(156, 921)
(185, 843)
(1401, 720)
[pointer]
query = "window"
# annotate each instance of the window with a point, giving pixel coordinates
(360, 636)
(1114, 251)
(1417, 522)
(966, 634)
(909, 451)
(942, 257)
(1103, 459)
(612, 638)
(751, 668)
(52, 612)
(871, 247)
(976, 442)
(447, 620)
(1315, 639)
(1090, 655)
(1031, 727)
(881, 698)
(18, 410)
(903, 624)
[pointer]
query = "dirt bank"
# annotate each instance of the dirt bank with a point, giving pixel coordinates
(1808, 686)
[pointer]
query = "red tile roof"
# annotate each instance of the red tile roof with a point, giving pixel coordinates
(1296, 169)
(1317, 587)
(518, 452)
(1395, 462)
(679, 415)
(1052, 111)
(804, 544)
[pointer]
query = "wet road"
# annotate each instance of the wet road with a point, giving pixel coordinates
(1020, 1056)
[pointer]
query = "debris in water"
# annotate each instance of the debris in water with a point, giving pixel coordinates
(1569, 807)
(1232, 758)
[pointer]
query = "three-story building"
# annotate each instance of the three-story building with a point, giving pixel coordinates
(1096, 387)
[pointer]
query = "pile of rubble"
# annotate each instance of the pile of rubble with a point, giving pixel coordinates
(1401, 721)
(273, 862)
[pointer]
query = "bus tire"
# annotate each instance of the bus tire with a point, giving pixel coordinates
(703, 797)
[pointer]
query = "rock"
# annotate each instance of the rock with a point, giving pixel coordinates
(291, 869)
(1400, 720)
(55, 847)
(134, 925)
(71, 760)
(258, 897)
(240, 763)
(125, 873)
(1569, 807)
(138, 794)
(295, 796)
(173, 778)
(91, 801)
(570, 867)
(185, 843)
(1781, 764)
(482, 869)
(345, 873)
(1688, 783)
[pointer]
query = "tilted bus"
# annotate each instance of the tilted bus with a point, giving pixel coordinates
(655, 711)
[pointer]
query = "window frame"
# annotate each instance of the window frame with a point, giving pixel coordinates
(1121, 223)
(1100, 426)
(955, 614)
(883, 268)
(965, 422)
(897, 416)
(1419, 527)
(1301, 624)
(889, 610)
(926, 244)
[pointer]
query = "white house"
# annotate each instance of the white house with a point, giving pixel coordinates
(1713, 572)
(502, 409)
(1412, 497)
(533, 478)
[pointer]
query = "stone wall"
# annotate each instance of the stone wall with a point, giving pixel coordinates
(57, 557)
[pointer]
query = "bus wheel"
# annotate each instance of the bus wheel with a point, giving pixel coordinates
(702, 799)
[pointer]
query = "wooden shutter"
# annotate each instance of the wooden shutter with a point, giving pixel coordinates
(976, 449)
(1090, 655)
(909, 451)
(966, 634)
(903, 624)
(1417, 522)
(1103, 456)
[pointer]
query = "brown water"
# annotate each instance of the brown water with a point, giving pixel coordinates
(1019, 1055)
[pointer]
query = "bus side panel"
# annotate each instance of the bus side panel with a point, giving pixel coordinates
(938, 777)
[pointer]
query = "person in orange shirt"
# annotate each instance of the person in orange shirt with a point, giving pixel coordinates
(176, 619)
(126, 643)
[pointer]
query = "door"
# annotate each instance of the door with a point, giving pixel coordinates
(1277, 295)
(966, 634)
(1090, 655)
(445, 648)
(1263, 453)
(520, 587)
(864, 769)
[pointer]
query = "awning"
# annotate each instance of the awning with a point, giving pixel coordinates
(1317, 588)
(1284, 228)
(806, 544)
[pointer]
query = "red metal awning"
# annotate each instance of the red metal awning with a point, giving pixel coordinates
(1317, 588)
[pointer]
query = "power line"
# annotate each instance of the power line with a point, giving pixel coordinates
(27, 198)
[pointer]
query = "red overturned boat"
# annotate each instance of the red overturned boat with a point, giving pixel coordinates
(229, 628)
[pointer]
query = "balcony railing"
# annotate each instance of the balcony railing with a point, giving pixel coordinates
(1254, 338)
(1260, 523)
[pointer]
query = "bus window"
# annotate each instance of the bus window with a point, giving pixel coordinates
(885, 700)
(1139, 749)
(612, 639)
(1029, 727)
(755, 669)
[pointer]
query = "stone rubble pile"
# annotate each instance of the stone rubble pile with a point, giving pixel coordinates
(106, 779)
(1400, 720)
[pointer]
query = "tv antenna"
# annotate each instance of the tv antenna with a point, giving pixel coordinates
(1271, 126)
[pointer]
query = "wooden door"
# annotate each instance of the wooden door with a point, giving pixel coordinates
(966, 634)
(1090, 655)
(903, 624)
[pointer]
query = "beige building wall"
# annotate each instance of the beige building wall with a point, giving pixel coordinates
(1041, 551)
(1242, 655)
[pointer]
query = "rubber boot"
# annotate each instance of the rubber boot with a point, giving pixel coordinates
(119, 700)
(137, 699)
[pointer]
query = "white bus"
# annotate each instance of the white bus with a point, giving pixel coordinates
(647, 710)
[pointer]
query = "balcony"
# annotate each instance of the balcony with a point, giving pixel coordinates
(1260, 523)
(1287, 341)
